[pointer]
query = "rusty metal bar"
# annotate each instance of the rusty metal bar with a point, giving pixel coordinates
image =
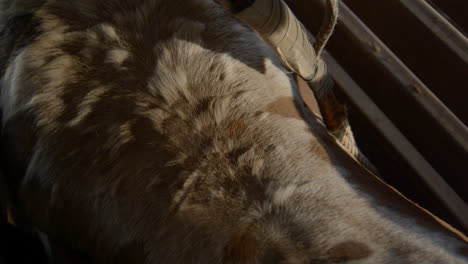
(411, 93)
(439, 60)
(456, 10)
(398, 142)
(431, 128)
(410, 83)
(435, 22)
(424, 120)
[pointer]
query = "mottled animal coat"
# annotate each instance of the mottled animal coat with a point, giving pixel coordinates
(165, 131)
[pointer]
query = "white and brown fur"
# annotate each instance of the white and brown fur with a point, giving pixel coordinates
(165, 131)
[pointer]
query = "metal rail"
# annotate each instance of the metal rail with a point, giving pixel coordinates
(442, 28)
(426, 42)
(398, 142)
(437, 146)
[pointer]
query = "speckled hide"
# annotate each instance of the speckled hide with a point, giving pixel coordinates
(165, 131)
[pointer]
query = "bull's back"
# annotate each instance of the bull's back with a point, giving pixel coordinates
(136, 128)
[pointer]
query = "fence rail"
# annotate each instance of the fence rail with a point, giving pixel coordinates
(411, 62)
